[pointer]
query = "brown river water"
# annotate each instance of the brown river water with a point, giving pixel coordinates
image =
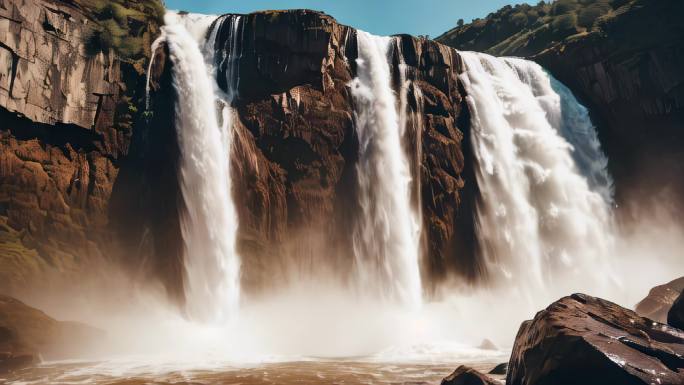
(302, 372)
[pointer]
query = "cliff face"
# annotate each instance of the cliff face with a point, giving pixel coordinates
(295, 146)
(624, 64)
(65, 119)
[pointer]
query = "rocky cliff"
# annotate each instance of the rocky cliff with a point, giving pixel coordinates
(66, 113)
(623, 59)
(295, 149)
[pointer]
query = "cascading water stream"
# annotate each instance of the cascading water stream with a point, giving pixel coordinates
(386, 238)
(413, 119)
(545, 193)
(209, 221)
(572, 120)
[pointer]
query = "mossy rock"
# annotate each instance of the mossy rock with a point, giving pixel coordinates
(122, 26)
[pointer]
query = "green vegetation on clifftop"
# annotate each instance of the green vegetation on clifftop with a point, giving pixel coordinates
(525, 30)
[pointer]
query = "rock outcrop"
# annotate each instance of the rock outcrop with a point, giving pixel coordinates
(659, 300)
(65, 121)
(675, 317)
(585, 340)
(464, 375)
(27, 335)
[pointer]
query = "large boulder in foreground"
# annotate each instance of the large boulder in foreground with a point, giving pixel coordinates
(675, 317)
(585, 341)
(465, 375)
(27, 334)
(659, 300)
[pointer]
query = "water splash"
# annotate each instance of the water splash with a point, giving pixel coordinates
(386, 238)
(209, 221)
(539, 216)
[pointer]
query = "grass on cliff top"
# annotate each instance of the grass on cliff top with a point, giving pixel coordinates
(525, 30)
(123, 26)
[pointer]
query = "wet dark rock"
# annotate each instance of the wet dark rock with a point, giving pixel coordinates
(465, 375)
(675, 317)
(584, 340)
(659, 300)
(500, 369)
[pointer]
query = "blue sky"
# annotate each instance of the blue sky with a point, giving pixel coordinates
(381, 17)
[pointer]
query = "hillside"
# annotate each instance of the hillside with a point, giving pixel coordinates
(526, 30)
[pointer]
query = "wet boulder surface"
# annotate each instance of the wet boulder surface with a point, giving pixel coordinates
(586, 340)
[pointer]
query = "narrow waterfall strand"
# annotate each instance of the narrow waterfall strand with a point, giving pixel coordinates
(385, 239)
(209, 221)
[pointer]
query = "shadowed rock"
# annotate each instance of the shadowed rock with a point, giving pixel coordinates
(500, 369)
(585, 340)
(675, 317)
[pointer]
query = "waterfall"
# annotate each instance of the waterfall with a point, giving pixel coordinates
(545, 200)
(209, 221)
(386, 236)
